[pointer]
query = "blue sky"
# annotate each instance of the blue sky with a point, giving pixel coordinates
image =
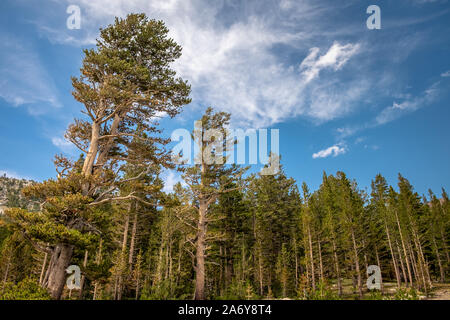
(343, 97)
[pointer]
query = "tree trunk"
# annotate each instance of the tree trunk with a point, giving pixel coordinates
(57, 276)
(83, 277)
(106, 148)
(5, 278)
(260, 268)
(311, 256)
(425, 266)
(92, 153)
(44, 263)
(379, 265)
(415, 269)
(98, 260)
(357, 268)
(438, 257)
(200, 252)
(296, 263)
(444, 242)
(132, 241)
(320, 262)
(62, 255)
(159, 266)
(122, 261)
(404, 249)
(394, 262)
(338, 271)
(405, 277)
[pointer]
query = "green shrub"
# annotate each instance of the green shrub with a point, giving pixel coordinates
(406, 294)
(322, 292)
(26, 289)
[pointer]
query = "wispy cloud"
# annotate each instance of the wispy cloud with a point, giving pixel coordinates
(334, 59)
(407, 105)
(24, 80)
(333, 151)
(230, 58)
(63, 144)
(445, 74)
(400, 108)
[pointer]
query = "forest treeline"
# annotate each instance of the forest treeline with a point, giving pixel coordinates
(221, 234)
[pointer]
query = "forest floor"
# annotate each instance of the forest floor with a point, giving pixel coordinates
(440, 291)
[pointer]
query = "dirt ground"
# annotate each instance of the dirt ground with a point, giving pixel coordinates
(440, 292)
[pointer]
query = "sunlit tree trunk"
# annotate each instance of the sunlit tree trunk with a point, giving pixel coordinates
(404, 249)
(357, 267)
(394, 262)
(200, 252)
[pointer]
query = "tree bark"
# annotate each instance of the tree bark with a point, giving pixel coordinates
(320, 262)
(44, 263)
(132, 241)
(92, 152)
(357, 268)
(444, 242)
(394, 262)
(5, 278)
(405, 277)
(83, 277)
(200, 252)
(57, 274)
(379, 265)
(98, 260)
(438, 257)
(122, 259)
(338, 269)
(404, 249)
(260, 268)
(311, 256)
(425, 266)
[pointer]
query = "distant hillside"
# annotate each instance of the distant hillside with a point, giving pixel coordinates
(11, 196)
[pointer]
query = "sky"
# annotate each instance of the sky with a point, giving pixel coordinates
(343, 96)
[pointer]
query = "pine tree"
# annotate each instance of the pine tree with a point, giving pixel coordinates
(207, 181)
(125, 83)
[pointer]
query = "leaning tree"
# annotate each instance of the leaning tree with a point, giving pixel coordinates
(126, 83)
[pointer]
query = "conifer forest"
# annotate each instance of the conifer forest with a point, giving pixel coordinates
(225, 231)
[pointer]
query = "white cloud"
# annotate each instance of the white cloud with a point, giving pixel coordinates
(229, 58)
(398, 109)
(24, 80)
(329, 100)
(334, 59)
(445, 74)
(331, 151)
(347, 131)
(63, 144)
